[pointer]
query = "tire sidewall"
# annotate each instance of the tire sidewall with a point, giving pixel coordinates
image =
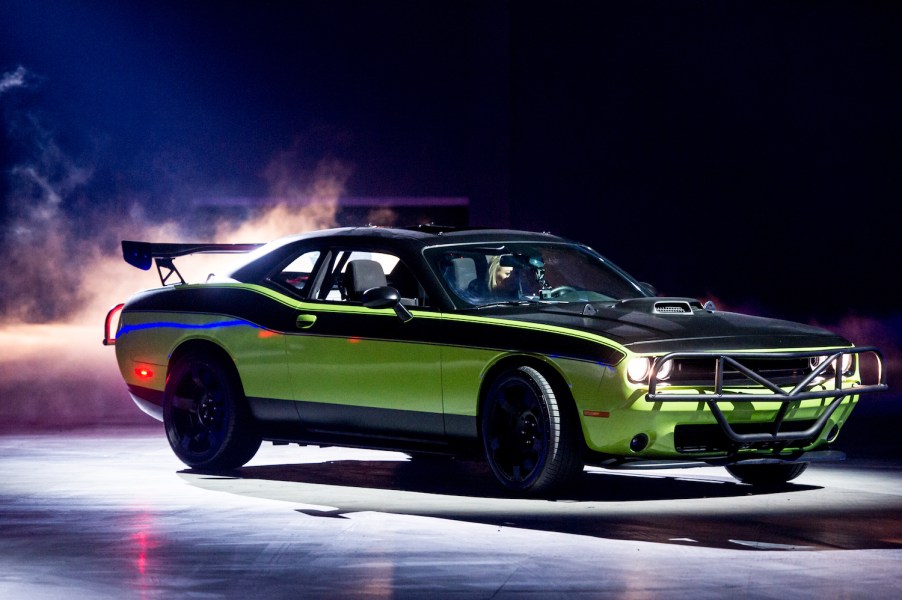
(235, 437)
(538, 385)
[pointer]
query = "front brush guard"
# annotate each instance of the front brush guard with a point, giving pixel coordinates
(786, 398)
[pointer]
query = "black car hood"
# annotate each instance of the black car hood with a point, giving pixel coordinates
(637, 325)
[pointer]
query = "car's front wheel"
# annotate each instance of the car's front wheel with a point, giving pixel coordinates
(767, 474)
(529, 437)
(205, 414)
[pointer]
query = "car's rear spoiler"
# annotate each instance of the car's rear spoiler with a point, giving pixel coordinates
(143, 254)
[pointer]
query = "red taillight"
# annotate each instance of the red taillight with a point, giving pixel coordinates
(112, 318)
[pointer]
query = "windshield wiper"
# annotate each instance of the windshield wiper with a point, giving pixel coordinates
(521, 302)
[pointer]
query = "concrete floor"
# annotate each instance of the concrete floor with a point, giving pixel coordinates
(114, 515)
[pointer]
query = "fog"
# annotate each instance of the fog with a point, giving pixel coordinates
(55, 372)
(62, 266)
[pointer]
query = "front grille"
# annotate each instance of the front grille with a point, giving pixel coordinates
(711, 438)
(700, 372)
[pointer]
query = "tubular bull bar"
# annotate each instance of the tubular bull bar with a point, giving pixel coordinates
(833, 359)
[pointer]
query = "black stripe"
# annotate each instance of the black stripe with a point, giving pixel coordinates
(268, 313)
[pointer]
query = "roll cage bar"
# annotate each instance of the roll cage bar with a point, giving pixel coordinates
(778, 394)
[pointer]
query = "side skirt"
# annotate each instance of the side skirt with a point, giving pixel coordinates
(325, 424)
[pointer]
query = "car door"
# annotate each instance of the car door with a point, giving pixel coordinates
(358, 370)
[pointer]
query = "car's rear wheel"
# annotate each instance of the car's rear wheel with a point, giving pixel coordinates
(768, 474)
(529, 436)
(205, 414)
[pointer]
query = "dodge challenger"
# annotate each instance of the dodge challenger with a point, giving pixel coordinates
(526, 350)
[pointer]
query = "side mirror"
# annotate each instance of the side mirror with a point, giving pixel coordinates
(380, 297)
(386, 297)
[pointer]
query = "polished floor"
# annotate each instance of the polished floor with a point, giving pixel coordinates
(94, 514)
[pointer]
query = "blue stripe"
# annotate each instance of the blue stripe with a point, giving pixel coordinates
(171, 325)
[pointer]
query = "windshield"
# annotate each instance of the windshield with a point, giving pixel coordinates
(481, 274)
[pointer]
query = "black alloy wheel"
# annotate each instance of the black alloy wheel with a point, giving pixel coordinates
(205, 415)
(529, 439)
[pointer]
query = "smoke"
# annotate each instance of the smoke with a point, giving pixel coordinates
(62, 266)
(14, 79)
(39, 235)
(311, 205)
(35, 221)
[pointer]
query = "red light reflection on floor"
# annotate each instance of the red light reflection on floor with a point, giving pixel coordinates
(142, 541)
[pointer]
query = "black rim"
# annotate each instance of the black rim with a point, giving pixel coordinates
(516, 431)
(199, 411)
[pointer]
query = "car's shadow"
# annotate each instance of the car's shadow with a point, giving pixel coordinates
(688, 509)
(473, 479)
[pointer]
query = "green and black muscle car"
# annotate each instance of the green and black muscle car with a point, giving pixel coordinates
(526, 349)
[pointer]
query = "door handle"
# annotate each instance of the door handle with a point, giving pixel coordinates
(305, 321)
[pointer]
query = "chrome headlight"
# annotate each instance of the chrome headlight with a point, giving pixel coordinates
(847, 360)
(639, 368)
(664, 370)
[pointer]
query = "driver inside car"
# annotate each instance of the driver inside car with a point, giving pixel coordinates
(514, 277)
(501, 283)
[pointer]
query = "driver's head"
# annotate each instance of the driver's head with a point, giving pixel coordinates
(499, 276)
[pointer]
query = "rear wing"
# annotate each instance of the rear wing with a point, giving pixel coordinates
(143, 254)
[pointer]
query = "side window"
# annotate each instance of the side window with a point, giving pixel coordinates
(359, 271)
(412, 293)
(465, 274)
(354, 272)
(298, 274)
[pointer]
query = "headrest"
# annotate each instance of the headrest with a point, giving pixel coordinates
(463, 271)
(364, 274)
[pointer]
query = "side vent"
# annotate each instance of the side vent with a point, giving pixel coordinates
(672, 308)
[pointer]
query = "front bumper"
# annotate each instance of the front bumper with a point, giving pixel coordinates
(772, 434)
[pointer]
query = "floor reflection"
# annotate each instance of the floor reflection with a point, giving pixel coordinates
(117, 516)
(679, 507)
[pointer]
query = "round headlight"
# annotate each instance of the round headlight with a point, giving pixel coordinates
(664, 369)
(815, 361)
(637, 369)
(846, 363)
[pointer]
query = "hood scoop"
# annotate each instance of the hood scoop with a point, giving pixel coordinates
(670, 307)
(661, 306)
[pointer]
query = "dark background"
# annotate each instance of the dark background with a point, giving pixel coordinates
(748, 152)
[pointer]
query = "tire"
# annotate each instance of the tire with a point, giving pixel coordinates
(205, 414)
(767, 475)
(529, 438)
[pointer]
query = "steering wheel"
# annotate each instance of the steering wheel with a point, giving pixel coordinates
(560, 291)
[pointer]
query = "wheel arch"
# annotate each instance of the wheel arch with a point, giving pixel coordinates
(207, 348)
(548, 370)
(231, 433)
